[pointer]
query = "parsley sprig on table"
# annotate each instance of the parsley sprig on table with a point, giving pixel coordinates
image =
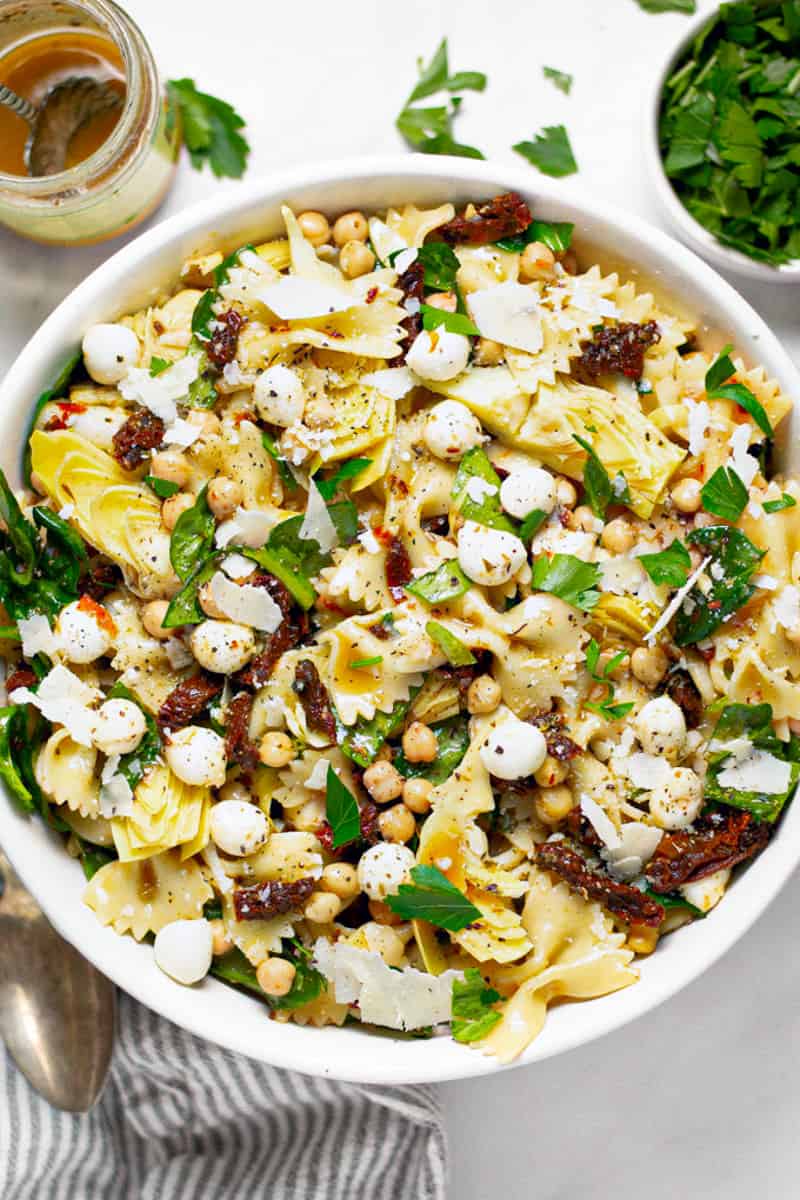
(211, 129)
(430, 128)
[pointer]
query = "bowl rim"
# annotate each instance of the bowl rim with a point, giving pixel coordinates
(335, 1052)
(679, 217)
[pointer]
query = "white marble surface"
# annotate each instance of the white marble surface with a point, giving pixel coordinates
(700, 1098)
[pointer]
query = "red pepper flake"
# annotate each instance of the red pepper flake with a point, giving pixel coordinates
(101, 615)
(371, 295)
(244, 415)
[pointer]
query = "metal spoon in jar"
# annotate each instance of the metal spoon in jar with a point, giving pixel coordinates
(57, 1013)
(66, 107)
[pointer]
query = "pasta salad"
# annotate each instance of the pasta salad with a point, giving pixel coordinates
(402, 623)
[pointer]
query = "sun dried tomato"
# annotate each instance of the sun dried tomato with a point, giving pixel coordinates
(314, 699)
(462, 677)
(134, 440)
(221, 348)
(581, 829)
(502, 217)
(624, 901)
(187, 700)
(682, 690)
(398, 568)
(411, 284)
(618, 348)
(239, 747)
(21, 677)
(102, 578)
(369, 823)
(721, 839)
(559, 746)
(264, 900)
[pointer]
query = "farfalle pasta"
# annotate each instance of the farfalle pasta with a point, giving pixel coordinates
(409, 634)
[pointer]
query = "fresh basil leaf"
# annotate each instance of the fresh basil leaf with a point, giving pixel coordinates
(184, 607)
(703, 612)
(557, 235)
(473, 1014)
(670, 566)
(453, 322)
(287, 478)
(561, 79)
(447, 582)
(348, 470)
(362, 742)
(159, 365)
(452, 743)
(550, 152)
(211, 129)
(458, 655)
(568, 577)
(341, 810)
(193, 537)
(440, 266)
(724, 494)
(57, 389)
(754, 722)
(532, 524)
(134, 765)
(773, 506)
(475, 465)
(163, 488)
(433, 898)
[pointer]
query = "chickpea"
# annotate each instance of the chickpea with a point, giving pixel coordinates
(207, 422)
(224, 496)
(171, 465)
(356, 259)
(416, 795)
(173, 507)
(553, 804)
(350, 227)
(488, 353)
(444, 300)
(383, 782)
(566, 495)
(642, 939)
(341, 879)
(235, 790)
(220, 942)
(483, 695)
(209, 604)
(419, 743)
(397, 823)
(275, 976)
(649, 665)
(153, 615)
(314, 227)
(569, 261)
(618, 536)
(686, 495)
(537, 261)
(381, 913)
(322, 908)
(583, 519)
(276, 749)
(551, 772)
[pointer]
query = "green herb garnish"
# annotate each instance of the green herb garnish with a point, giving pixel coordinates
(773, 506)
(737, 558)
(453, 322)
(560, 79)
(362, 742)
(341, 810)
(359, 664)
(134, 765)
(532, 524)
(662, 6)
(193, 537)
(568, 577)
(430, 129)
(432, 897)
(440, 266)
(473, 1014)
(287, 478)
(754, 722)
(604, 708)
(717, 389)
(551, 152)
(447, 582)
(670, 566)
(724, 494)
(488, 510)
(210, 129)
(452, 743)
(163, 488)
(600, 489)
(57, 389)
(294, 560)
(159, 365)
(458, 655)
(184, 607)
(348, 470)
(557, 235)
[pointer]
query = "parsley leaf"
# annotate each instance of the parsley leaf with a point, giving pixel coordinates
(724, 494)
(737, 559)
(452, 743)
(430, 129)
(557, 235)
(432, 897)
(159, 365)
(532, 524)
(348, 470)
(341, 810)
(717, 389)
(604, 708)
(773, 506)
(551, 152)
(600, 490)
(447, 582)
(561, 80)
(210, 129)
(476, 473)
(473, 1015)
(458, 655)
(453, 322)
(670, 566)
(568, 577)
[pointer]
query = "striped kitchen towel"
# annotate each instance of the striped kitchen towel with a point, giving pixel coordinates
(181, 1119)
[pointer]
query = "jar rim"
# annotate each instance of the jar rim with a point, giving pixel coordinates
(140, 69)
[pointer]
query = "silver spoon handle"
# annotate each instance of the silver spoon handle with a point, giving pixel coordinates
(18, 104)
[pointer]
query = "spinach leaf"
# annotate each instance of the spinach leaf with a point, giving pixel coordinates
(134, 765)
(293, 559)
(184, 607)
(569, 577)
(669, 900)
(308, 981)
(773, 506)
(93, 858)
(21, 538)
(341, 810)
(550, 152)
(362, 742)
(487, 510)
(670, 566)
(57, 389)
(193, 537)
(754, 722)
(12, 723)
(433, 898)
(440, 265)
(447, 582)
(163, 488)
(532, 524)
(452, 741)
(662, 6)
(557, 235)
(737, 560)
(458, 655)
(348, 470)
(473, 1014)
(64, 556)
(287, 478)
(237, 970)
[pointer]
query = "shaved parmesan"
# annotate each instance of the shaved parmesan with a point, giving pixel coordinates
(369, 542)
(602, 824)
(293, 298)
(181, 433)
(160, 392)
(698, 422)
(404, 260)
(177, 654)
(396, 999)
(767, 583)
(637, 845)
(759, 772)
(318, 779)
(394, 382)
(676, 601)
(317, 525)
(786, 607)
(745, 466)
(236, 566)
(64, 699)
(509, 314)
(244, 603)
(214, 864)
(385, 240)
(37, 636)
(116, 797)
(645, 771)
(248, 526)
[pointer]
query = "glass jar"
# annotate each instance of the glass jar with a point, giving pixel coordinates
(129, 174)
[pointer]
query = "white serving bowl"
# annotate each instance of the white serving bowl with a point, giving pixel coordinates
(679, 218)
(130, 279)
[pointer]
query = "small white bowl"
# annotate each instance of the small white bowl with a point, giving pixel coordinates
(681, 221)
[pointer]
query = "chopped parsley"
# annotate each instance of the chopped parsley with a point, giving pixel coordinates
(600, 489)
(432, 897)
(211, 129)
(721, 370)
(670, 566)
(473, 1014)
(568, 577)
(447, 582)
(348, 470)
(341, 810)
(734, 561)
(724, 494)
(560, 79)
(550, 152)
(429, 129)
(453, 322)
(605, 708)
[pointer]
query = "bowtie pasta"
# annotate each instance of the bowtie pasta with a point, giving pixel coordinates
(402, 621)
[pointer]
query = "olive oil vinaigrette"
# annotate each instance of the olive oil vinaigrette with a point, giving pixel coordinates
(37, 65)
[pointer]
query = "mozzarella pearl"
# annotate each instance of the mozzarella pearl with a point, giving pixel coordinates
(119, 726)
(108, 352)
(382, 869)
(238, 828)
(222, 646)
(677, 803)
(660, 727)
(197, 756)
(437, 354)
(82, 638)
(280, 396)
(523, 491)
(513, 750)
(183, 950)
(451, 429)
(489, 556)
